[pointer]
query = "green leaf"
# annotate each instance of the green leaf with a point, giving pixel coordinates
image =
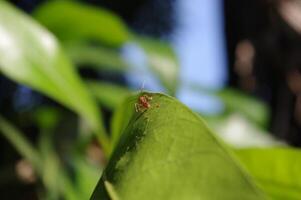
(20, 143)
(277, 170)
(59, 180)
(31, 56)
(254, 109)
(167, 152)
(70, 20)
(45, 161)
(97, 57)
(86, 176)
(53, 174)
(162, 61)
(109, 95)
(47, 117)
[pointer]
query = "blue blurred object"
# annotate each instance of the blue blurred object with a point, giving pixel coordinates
(200, 44)
(140, 76)
(25, 99)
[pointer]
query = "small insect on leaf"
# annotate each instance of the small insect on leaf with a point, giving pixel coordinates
(143, 103)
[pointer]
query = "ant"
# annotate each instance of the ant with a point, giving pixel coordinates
(143, 103)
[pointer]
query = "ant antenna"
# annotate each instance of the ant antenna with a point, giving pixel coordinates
(142, 86)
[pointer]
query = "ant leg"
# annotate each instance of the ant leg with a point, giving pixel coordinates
(148, 97)
(136, 107)
(142, 86)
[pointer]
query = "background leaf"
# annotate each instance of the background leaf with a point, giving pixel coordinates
(238, 131)
(97, 57)
(20, 143)
(248, 106)
(277, 170)
(31, 56)
(45, 162)
(70, 20)
(235, 101)
(167, 152)
(109, 95)
(86, 177)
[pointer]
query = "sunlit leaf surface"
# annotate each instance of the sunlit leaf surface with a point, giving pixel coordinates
(167, 152)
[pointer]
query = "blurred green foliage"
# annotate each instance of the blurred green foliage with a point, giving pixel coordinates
(248, 106)
(109, 95)
(80, 35)
(32, 56)
(101, 58)
(70, 20)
